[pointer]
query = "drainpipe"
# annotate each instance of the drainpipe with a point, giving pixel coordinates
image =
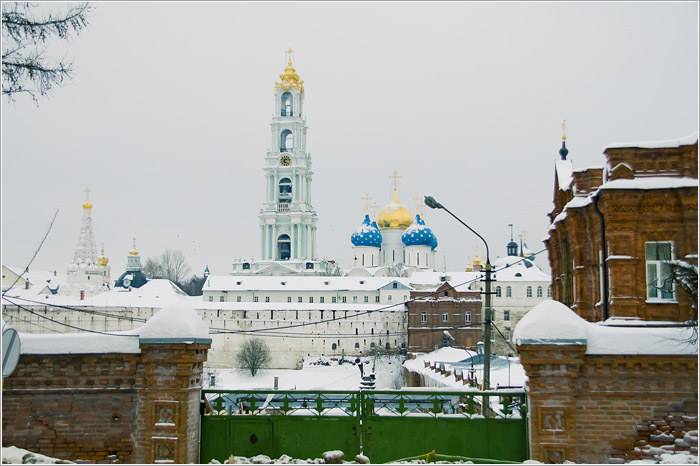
(604, 298)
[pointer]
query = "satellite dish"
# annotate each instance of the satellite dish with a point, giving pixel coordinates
(11, 349)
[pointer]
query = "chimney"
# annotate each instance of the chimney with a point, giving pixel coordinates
(82, 295)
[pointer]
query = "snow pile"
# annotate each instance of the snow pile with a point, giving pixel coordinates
(78, 343)
(328, 457)
(175, 321)
(553, 323)
(14, 455)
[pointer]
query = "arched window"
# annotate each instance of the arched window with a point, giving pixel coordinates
(285, 190)
(283, 247)
(287, 104)
(286, 141)
(529, 292)
(509, 292)
(539, 291)
(334, 346)
(498, 291)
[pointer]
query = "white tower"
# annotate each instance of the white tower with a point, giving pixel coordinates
(87, 274)
(287, 219)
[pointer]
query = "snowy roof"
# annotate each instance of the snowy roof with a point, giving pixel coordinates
(39, 279)
(506, 270)
(655, 182)
(685, 141)
(176, 321)
(564, 171)
(292, 283)
(552, 323)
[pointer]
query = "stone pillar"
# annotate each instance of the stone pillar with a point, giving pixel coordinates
(552, 379)
(168, 403)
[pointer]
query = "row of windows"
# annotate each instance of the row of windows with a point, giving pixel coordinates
(321, 299)
(528, 292)
(446, 316)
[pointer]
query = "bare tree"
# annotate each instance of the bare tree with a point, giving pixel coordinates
(153, 269)
(253, 355)
(174, 265)
(25, 65)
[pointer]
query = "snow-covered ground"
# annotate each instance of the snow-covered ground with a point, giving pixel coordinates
(317, 373)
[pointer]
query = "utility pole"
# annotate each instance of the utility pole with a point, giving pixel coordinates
(487, 341)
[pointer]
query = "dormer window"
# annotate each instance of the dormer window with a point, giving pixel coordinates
(287, 104)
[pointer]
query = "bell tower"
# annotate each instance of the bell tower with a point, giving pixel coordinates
(287, 218)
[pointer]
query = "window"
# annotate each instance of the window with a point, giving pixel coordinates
(498, 291)
(345, 299)
(285, 190)
(333, 299)
(267, 299)
(255, 299)
(299, 299)
(509, 292)
(659, 281)
(549, 291)
(354, 299)
(395, 285)
(211, 299)
(238, 299)
(468, 316)
(287, 104)
(447, 293)
(506, 315)
(389, 298)
(376, 299)
(286, 141)
(334, 346)
(445, 317)
(539, 291)
(289, 299)
(311, 299)
(529, 292)
(366, 299)
(221, 298)
(423, 316)
(323, 299)
(357, 345)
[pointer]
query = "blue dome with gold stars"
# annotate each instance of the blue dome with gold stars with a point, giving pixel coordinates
(367, 234)
(419, 235)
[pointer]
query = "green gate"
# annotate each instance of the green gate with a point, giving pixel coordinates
(385, 425)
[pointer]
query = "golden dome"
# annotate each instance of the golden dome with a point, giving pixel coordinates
(133, 251)
(290, 78)
(87, 205)
(394, 215)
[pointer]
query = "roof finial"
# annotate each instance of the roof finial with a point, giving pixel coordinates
(290, 52)
(395, 181)
(419, 203)
(511, 231)
(563, 151)
(133, 251)
(375, 207)
(87, 204)
(366, 198)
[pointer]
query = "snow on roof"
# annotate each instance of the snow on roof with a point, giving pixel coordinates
(685, 141)
(280, 283)
(655, 182)
(79, 343)
(551, 323)
(564, 171)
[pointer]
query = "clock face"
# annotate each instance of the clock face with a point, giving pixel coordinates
(285, 160)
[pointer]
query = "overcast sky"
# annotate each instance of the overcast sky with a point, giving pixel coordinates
(167, 119)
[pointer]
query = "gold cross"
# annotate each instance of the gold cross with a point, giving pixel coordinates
(134, 243)
(375, 206)
(419, 204)
(396, 177)
(523, 234)
(563, 127)
(87, 193)
(366, 198)
(290, 52)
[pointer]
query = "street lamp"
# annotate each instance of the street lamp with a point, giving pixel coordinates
(433, 204)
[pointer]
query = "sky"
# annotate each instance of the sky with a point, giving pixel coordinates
(167, 119)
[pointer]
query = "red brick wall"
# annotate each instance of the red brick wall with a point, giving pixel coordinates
(583, 407)
(102, 407)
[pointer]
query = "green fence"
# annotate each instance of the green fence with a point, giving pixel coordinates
(384, 425)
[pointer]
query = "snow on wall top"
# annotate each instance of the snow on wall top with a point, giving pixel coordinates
(564, 171)
(280, 283)
(175, 322)
(552, 323)
(656, 182)
(686, 141)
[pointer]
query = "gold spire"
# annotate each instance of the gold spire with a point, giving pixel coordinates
(133, 251)
(477, 261)
(563, 127)
(290, 78)
(87, 204)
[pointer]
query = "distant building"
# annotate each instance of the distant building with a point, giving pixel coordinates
(617, 230)
(133, 277)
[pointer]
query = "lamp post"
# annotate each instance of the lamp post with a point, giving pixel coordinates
(433, 204)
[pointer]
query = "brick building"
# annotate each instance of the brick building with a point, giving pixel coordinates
(614, 230)
(431, 312)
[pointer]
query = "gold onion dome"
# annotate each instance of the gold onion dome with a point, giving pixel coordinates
(394, 215)
(133, 251)
(103, 261)
(290, 78)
